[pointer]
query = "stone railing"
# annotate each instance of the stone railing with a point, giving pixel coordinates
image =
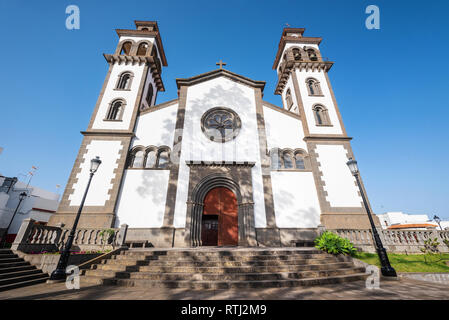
(37, 238)
(395, 240)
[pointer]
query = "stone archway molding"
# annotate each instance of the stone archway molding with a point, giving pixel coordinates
(195, 204)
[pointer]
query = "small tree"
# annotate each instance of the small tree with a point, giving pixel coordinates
(431, 252)
(105, 235)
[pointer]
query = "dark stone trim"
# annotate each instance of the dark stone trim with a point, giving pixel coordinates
(193, 163)
(107, 132)
(335, 104)
(281, 110)
(104, 214)
(302, 112)
(170, 202)
(158, 107)
(326, 137)
(217, 73)
(265, 162)
(100, 97)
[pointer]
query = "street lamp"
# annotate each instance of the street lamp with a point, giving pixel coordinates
(437, 220)
(60, 272)
(22, 196)
(386, 268)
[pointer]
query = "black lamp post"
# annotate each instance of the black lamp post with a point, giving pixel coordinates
(386, 268)
(437, 220)
(21, 197)
(60, 272)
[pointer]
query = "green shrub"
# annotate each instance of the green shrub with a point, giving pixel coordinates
(332, 243)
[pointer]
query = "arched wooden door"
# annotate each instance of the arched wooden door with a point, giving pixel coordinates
(220, 218)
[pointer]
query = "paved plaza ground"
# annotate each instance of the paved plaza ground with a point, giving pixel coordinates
(404, 289)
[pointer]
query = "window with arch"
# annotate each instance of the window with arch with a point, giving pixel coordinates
(299, 161)
(142, 49)
(149, 97)
(296, 54)
(126, 48)
(312, 55)
(149, 158)
(313, 86)
(288, 159)
(288, 99)
(115, 111)
(163, 159)
(321, 116)
(124, 81)
(138, 159)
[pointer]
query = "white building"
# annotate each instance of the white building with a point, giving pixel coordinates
(217, 165)
(400, 220)
(38, 205)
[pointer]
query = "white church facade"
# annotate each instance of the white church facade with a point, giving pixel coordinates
(218, 165)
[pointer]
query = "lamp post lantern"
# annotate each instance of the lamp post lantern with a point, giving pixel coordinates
(60, 272)
(437, 220)
(386, 269)
(22, 196)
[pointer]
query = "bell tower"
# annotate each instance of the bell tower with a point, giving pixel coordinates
(131, 85)
(304, 86)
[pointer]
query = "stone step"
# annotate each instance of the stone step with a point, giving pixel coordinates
(19, 273)
(13, 264)
(210, 253)
(127, 262)
(114, 267)
(22, 278)
(222, 277)
(11, 259)
(244, 269)
(8, 256)
(218, 258)
(225, 263)
(224, 284)
(23, 283)
(16, 269)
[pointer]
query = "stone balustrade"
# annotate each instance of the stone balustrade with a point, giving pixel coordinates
(400, 241)
(38, 238)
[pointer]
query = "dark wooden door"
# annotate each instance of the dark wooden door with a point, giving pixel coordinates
(209, 230)
(222, 203)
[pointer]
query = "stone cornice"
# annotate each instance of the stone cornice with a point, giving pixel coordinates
(192, 163)
(217, 73)
(290, 66)
(103, 132)
(148, 60)
(327, 137)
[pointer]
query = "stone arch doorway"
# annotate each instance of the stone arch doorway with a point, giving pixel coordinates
(220, 218)
(201, 182)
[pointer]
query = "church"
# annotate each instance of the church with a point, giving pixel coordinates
(218, 166)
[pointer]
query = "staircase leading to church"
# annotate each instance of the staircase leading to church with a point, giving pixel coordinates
(16, 272)
(221, 268)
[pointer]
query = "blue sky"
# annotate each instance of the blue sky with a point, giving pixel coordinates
(391, 84)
